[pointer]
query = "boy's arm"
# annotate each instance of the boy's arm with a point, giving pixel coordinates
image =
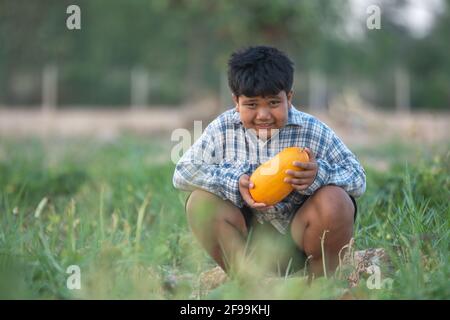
(200, 168)
(338, 166)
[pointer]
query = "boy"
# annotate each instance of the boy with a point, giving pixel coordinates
(220, 209)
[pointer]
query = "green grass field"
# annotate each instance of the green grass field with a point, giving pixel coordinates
(111, 209)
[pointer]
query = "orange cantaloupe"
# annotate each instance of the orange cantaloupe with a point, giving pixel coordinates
(268, 178)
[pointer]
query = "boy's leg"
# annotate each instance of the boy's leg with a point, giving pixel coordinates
(329, 208)
(218, 225)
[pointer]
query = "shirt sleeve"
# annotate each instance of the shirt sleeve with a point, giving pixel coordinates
(201, 168)
(338, 166)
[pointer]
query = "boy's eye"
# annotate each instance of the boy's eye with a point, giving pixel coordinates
(250, 105)
(274, 103)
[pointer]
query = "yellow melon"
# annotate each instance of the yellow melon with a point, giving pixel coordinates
(268, 178)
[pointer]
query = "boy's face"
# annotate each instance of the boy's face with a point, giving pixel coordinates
(264, 114)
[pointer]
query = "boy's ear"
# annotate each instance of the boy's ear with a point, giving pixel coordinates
(289, 96)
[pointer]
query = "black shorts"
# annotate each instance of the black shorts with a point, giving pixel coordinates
(248, 215)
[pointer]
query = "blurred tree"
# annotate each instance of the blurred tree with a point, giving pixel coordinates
(184, 45)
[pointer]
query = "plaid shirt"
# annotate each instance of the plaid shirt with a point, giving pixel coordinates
(226, 150)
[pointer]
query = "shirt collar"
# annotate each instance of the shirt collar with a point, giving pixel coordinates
(294, 117)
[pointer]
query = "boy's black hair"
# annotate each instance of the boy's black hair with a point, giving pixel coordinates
(260, 71)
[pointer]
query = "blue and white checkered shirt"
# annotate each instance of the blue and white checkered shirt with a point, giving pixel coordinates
(226, 150)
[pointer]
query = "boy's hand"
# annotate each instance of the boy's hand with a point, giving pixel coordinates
(244, 185)
(301, 180)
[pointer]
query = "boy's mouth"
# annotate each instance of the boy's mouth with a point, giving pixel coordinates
(263, 125)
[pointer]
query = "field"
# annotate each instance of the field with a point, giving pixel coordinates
(109, 207)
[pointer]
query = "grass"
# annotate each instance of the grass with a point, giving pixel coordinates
(111, 209)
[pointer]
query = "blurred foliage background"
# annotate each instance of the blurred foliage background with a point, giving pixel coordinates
(182, 47)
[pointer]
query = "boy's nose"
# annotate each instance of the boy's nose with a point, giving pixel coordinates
(263, 114)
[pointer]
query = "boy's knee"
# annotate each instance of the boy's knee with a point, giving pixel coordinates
(199, 203)
(333, 206)
(199, 198)
(205, 209)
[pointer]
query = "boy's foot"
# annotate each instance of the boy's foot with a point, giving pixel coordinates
(212, 278)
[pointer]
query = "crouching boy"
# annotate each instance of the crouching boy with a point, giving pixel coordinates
(225, 219)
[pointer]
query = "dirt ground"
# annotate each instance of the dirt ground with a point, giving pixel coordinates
(357, 126)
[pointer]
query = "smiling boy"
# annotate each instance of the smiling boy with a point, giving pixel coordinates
(220, 209)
